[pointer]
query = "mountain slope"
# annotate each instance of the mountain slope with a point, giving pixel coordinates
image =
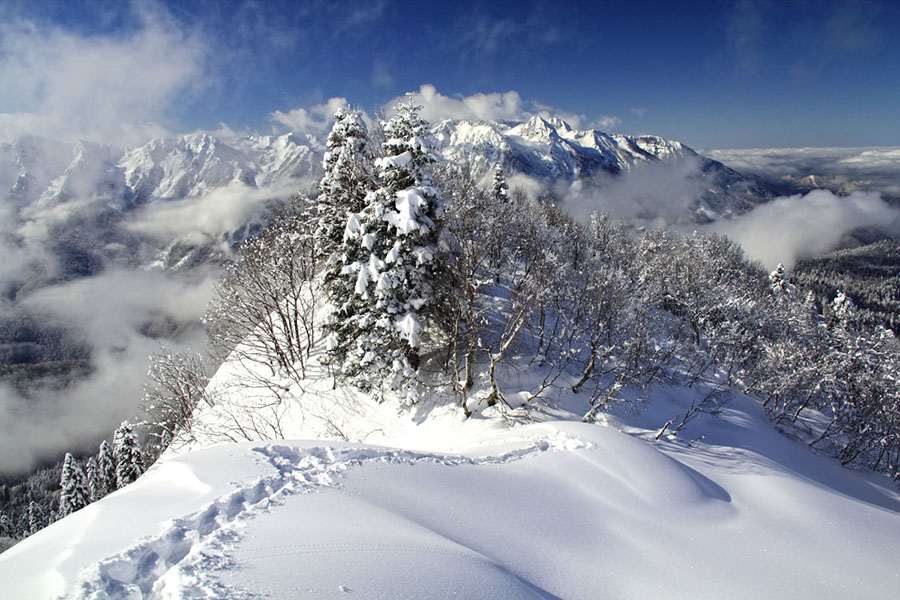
(551, 510)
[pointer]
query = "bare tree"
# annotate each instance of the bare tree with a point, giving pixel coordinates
(176, 386)
(264, 309)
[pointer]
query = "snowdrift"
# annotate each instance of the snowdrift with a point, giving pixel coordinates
(554, 509)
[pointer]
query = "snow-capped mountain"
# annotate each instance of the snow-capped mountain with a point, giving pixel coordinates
(195, 164)
(162, 169)
(550, 149)
(191, 166)
(89, 193)
(547, 148)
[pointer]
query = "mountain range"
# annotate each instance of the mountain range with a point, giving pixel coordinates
(40, 174)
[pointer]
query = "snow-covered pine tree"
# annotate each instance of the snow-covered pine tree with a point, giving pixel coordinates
(7, 528)
(779, 283)
(384, 286)
(106, 471)
(36, 520)
(843, 311)
(129, 461)
(499, 187)
(91, 473)
(349, 176)
(74, 493)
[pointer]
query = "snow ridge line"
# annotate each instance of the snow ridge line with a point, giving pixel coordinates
(180, 561)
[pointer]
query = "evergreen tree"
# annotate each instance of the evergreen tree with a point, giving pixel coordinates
(129, 462)
(91, 473)
(385, 264)
(106, 472)
(779, 284)
(843, 311)
(348, 178)
(499, 187)
(36, 520)
(7, 528)
(74, 493)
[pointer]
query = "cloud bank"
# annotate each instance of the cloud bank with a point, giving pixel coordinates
(118, 313)
(866, 169)
(206, 218)
(791, 228)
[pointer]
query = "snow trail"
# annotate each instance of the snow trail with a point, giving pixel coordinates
(183, 559)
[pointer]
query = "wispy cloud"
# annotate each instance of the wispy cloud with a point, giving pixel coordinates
(381, 74)
(114, 88)
(853, 27)
(112, 312)
(496, 106)
(203, 220)
(314, 120)
(743, 35)
(360, 16)
(477, 33)
(846, 28)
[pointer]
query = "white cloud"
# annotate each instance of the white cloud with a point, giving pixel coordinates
(867, 169)
(506, 106)
(110, 310)
(790, 228)
(315, 120)
(200, 220)
(654, 194)
(111, 88)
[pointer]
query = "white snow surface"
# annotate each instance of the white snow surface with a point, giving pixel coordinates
(529, 505)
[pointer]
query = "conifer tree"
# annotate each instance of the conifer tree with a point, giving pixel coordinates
(385, 263)
(347, 179)
(779, 284)
(7, 529)
(74, 493)
(92, 476)
(499, 188)
(106, 471)
(843, 311)
(36, 520)
(129, 462)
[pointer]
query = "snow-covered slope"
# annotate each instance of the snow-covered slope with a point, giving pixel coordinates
(192, 165)
(552, 509)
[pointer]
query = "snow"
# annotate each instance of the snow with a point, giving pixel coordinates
(399, 161)
(408, 203)
(410, 329)
(478, 508)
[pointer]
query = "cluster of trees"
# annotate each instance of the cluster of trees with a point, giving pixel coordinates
(366, 243)
(77, 484)
(869, 274)
(428, 271)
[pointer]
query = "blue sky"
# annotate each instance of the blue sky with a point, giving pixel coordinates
(718, 74)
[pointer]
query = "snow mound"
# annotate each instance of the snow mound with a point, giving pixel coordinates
(556, 509)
